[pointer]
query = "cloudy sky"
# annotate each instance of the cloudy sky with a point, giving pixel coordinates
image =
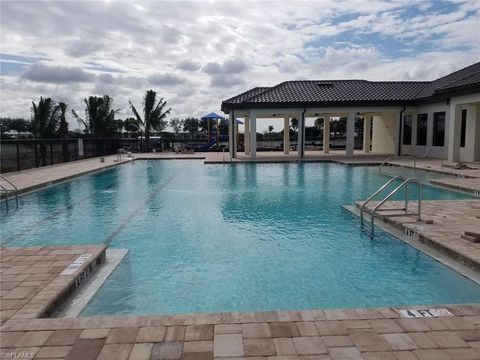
(195, 54)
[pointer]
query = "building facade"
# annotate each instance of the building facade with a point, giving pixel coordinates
(439, 119)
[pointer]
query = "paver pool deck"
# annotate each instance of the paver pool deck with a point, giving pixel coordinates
(380, 333)
(31, 280)
(32, 285)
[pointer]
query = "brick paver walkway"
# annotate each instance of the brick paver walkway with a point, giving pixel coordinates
(337, 334)
(31, 279)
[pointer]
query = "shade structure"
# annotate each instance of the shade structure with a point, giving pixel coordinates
(212, 116)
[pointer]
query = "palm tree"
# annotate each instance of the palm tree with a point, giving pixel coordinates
(45, 122)
(99, 116)
(63, 131)
(99, 119)
(153, 115)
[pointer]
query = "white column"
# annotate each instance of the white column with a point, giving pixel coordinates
(454, 132)
(235, 136)
(231, 137)
(326, 134)
(472, 134)
(367, 127)
(286, 135)
(301, 134)
(253, 134)
(350, 133)
(247, 135)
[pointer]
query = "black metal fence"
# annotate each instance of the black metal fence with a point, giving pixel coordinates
(21, 154)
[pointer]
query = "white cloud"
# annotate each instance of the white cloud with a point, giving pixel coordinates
(57, 74)
(209, 51)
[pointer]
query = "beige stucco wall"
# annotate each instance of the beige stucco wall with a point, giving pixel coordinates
(384, 132)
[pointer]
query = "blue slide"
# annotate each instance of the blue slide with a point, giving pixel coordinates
(201, 147)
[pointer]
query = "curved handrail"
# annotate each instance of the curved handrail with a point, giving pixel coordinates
(374, 194)
(15, 190)
(9, 182)
(405, 183)
(383, 163)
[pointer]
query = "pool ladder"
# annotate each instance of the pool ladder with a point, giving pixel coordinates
(6, 188)
(404, 185)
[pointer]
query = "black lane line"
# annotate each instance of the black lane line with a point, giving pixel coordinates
(51, 216)
(130, 217)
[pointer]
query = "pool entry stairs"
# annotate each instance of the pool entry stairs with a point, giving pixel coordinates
(7, 189)
(376, 207)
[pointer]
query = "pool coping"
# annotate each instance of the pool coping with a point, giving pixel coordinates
(76, 303)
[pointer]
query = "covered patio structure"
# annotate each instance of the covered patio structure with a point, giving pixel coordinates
(438, 119)
(381, 105)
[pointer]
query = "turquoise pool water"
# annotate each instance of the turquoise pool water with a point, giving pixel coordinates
(208, 238)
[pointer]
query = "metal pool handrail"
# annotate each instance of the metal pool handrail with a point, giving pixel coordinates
(404, 184)
(15, 190)
(383, 163)
(362, 208)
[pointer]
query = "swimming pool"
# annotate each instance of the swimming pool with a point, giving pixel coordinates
(210, 238)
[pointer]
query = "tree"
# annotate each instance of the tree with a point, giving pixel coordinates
(5, 124)
(99, 116)
(131, 125)
(63, 131)
(339, 127)
(223, 127)
(118, 126)
(19, 125)
(176, 125)
(318, 123)
(191, 125)
(45, 122)
(154, 115)
(63, 124)
(294, 124)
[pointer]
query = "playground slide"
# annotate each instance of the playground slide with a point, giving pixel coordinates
(201, 147)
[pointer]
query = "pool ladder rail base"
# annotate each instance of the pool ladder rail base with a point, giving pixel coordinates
(8, 188)
(370, 230)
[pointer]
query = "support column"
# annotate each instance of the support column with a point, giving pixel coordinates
(301, 136)
(286, 135)
(326, 134)
(247, 135)
(367, 127)
(253, 134)
(350, 134)
(231, 137)
(454, 132)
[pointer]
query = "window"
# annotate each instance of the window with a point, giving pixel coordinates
(422, 129)
(438, 129)
(463, 129)
(407, 130)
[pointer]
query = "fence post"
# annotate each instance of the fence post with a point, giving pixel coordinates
(76, 155)
(18, 156)
(51, 154)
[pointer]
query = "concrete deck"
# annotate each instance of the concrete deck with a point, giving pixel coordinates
(450, 220)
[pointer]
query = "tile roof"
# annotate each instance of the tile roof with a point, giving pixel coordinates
(338, 91)
(246, 95)
(310, 92)
(468, 76)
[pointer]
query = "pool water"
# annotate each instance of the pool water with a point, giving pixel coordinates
(246, 237)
